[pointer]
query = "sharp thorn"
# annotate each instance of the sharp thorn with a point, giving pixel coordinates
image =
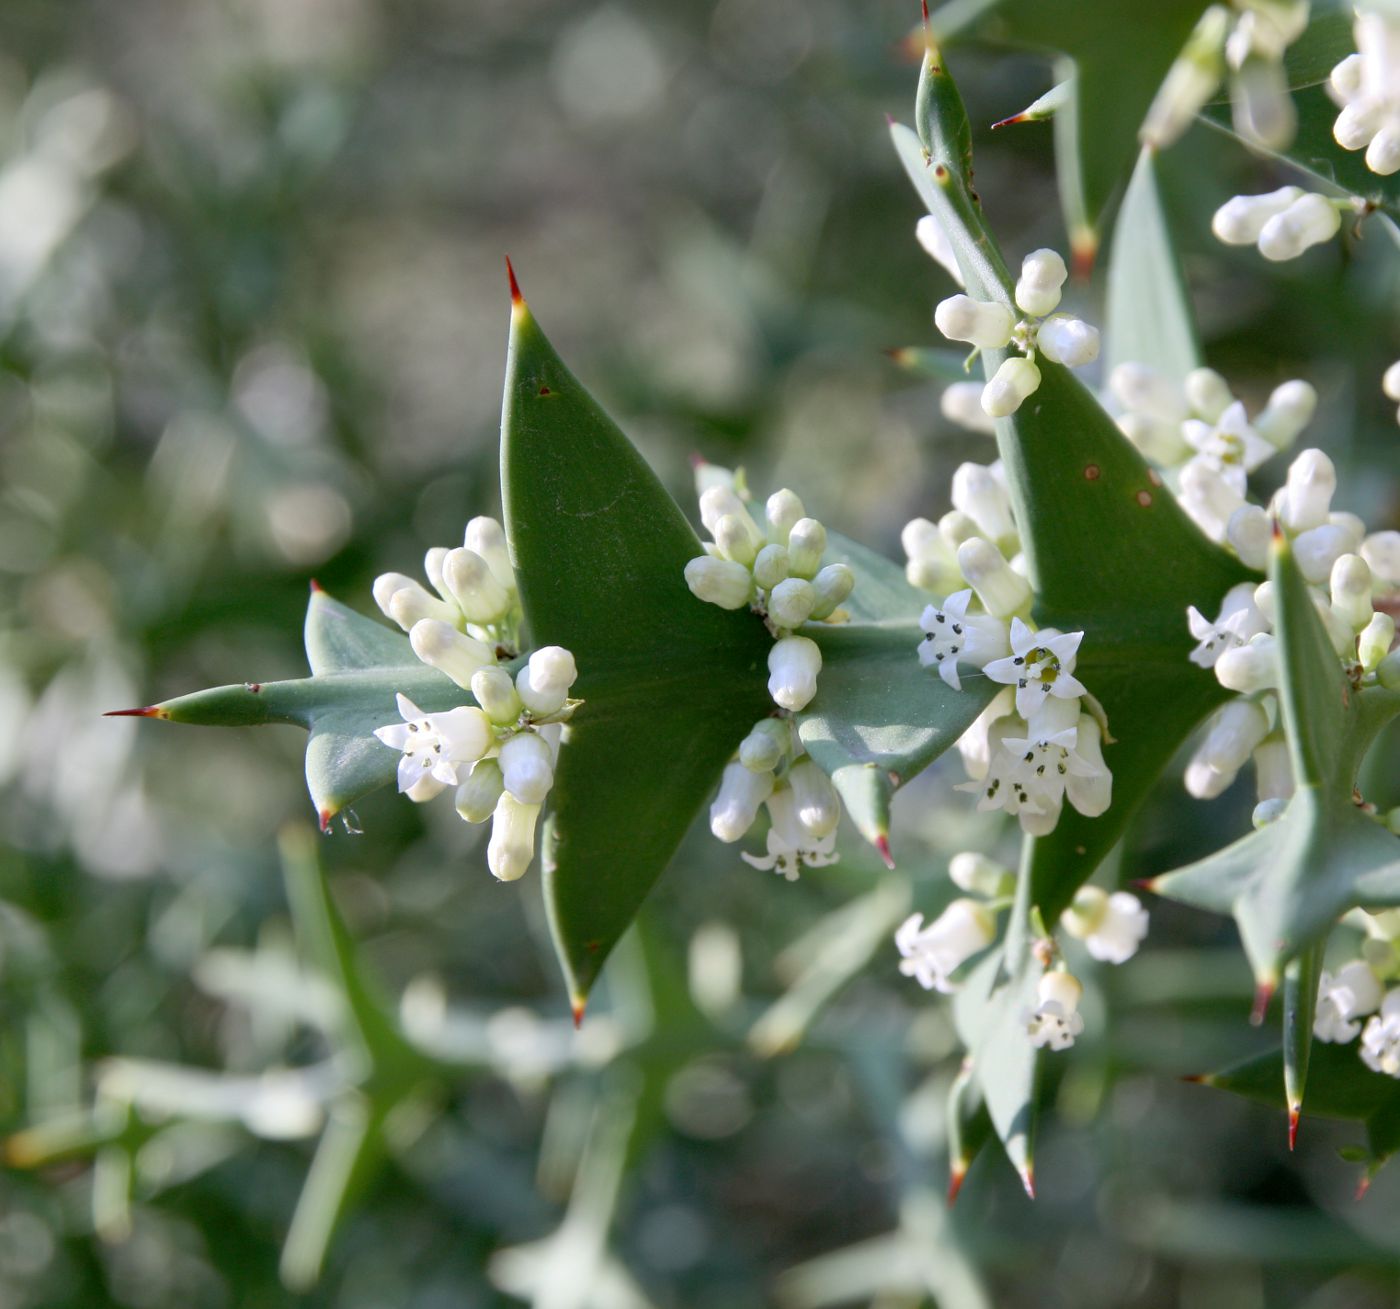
(1084, 249)
(146, 711)
(325, 816)
(956, 1175)
(1263, 993)
(577, 1005)
(1028, 1180)
(1293, 1116)
(1007, 122)
(889, 120)
(1362, 1187)
(1145, 884)
(1197, 1079)
(923, 4)
(882, 844)
(515, 297)
(317, 588)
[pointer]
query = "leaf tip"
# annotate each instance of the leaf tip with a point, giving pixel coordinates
(317, 588)
(882, 844)
(1028, 1179)
(1146, 884)
(1083, 250)
(889, 120)
(1198, 1079)
(577, 1004)
(516, 299)
(1022, 117)
(146, 711)
(957, 1173)
(1362, 1187)
(1264, 988)
(324, 817)
(1294, 1114)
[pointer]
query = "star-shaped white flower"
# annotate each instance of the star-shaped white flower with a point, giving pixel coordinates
(1041, 665)
(1342, 999)
(434, 745)
(1230, 445)
(1056, 1020)
(932, 954)
(791, 847)
(1239, 620)
(952, 635)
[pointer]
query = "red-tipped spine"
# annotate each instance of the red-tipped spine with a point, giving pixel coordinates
(1028, 1180)
(317, 588)
(577, 1006)
(1293, 1117)
(1145, 884)
(882, 844)
(1263, 993)
(515, 297)
(146, 711)
(1015, 118)
(324, 817)
(956, 1176)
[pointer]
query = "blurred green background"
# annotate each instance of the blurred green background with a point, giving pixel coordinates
(252, 328)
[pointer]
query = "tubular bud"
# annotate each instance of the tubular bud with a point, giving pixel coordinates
(494, 690)
(1003, 591)
(1067, 340)
(1014, 382)
(737, 539)
(1289, 410)
(1249, 532)
(832, 585)
(1375, 640)
(1317, 549)
(1043, 273)
(1241, 219)
(961, 403)
(1143, 389)
(978, 875)
(486, 537)
(741, 791)
(1307, 494)
(718, 500)
(1350, 587)
(443, 647)
(474, 586)
(478, 796)
(985, 324)
(790, 603)
(407, 601)
(512, 843)
(793, 665)
(527, 768)
(1207, 393)
(771, 566)
(719, 582)
(818, 807)
(978, 494)
(784, 510)
(1306, 222)
(806, 545)
(1381, 551)
(765, 747)
(1249, 668)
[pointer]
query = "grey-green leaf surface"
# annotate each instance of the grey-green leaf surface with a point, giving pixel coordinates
(1149, 318)
(670, 685)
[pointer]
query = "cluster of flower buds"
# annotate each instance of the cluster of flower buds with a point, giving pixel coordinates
(476, 608)
(1281, 223)
(777, 571)
(993, 325)
(1367, 87)
(771, 770)
(940, 558)
(1205, 438)
(1353, 577)
(1354, 1000)
(1250, 42)
(499, 753)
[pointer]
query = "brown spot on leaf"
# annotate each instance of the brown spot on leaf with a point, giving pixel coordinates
(1091, 473)
(1144, 498)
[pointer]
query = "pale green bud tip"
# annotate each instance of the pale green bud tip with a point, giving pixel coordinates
(512, 844)
(806, 545)
(793, 665)
(552, 668)
(1060, 988)
(1002, 590)
(1015, 381)
(1390, 381)
(719, 582)
(1375, 641)
(474, 586)
(783, 510)
(760, 751)
(1086, 913)
(832, 585)
(527, 768)
(478, 796)
(790, 603)
(495, 692)
(1388, 671)
(771, 566)
(737, 539)
(978, 875)
(443, 647)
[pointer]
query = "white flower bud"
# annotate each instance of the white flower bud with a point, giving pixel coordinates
(1208, 497)
(1003, 592)
(1273, 769)
(955, 527)
(1144, 390)
(793, 665)
(1263, 109)
(1307, 494)
(718, 500)
(741, 791)
(1241, 219)
(832, 585)
(512, 843)
(1350, 587)
(1155, 439)
(1014, 382)
(818, 807)
(920, 538)
(719, 582)
(737, 539)
(1383, 154)
(1317, 549)
(1356, 125)
(770, 566)
(978, 875)
(527, 767)
(1249, 668)
(1189, 83)
(443, 647)
(933, 954)
(1345, 79)
(494, 690)
(486, 537)
(1060, 988)
(1043, 273)
(978, 494)
(930, 234)
(985, 324)
(1235, 732)
(478, 796)
(552, 668)
(1090, 793)
(432, 568)
(1390, 381)
(474, 586)
(1069, 341)
(784, 511)
(1249, 532)
(806, 545)
(961, 403)
(1290, 409)
(790, 603)
(407, 601)
(1381, 551)
(541, 701)
(1306, 222)
(765, 747)
(1207, 393)
(1375, 640)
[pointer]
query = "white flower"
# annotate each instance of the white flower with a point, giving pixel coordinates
(1239, 619)
(1342, 999)
(1009, 784)
(1111, 926)
(1367, 85)
(1047, 762)
(1041, 665)
(1231, 445)
(434, 745)
(1056, 1020)
(790, 843)
(975, 744)
(1380, 1039)
(933, 953)
(952, 635)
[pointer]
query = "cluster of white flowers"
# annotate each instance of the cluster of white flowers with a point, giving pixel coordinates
(1205, 441)
(1110, 926)
(1282, 223)
(1035, 745)
(499, 753)
(776, 571)
(1247, 37)
(771, 770)
(1351, 575)
(993, 325)
(1367, 87)
(1354, 1001)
